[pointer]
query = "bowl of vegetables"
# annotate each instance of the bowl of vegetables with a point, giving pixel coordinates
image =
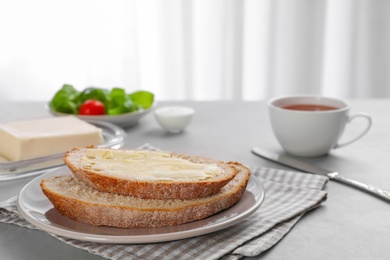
(100, 104)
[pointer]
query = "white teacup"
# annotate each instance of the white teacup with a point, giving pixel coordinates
(309, 125)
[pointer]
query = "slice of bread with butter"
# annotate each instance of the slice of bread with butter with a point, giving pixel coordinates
(80, 202)
(149, 174)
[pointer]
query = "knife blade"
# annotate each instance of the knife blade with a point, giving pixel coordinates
(309, 168)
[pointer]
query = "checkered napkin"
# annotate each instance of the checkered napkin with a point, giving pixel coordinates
(289, 195)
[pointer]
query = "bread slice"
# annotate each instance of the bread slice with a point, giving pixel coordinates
(149, 174)
(73, 199)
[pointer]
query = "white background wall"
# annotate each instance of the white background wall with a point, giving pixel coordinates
(202, 50)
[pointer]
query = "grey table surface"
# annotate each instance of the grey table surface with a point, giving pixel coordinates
(351, 224)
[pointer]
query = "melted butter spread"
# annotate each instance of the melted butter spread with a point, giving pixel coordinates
(147, 165)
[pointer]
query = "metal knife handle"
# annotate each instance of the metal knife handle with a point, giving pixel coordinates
(376, 191)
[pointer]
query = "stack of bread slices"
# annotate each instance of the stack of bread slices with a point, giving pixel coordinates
(138, 189)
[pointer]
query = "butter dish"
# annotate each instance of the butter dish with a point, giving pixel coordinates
(113, 137)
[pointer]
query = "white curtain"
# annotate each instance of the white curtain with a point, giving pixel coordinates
(196, 49)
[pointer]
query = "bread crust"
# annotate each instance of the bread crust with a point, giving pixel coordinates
(131, 212)
(150, 189)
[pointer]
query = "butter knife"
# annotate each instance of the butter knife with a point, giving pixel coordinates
(332, 175)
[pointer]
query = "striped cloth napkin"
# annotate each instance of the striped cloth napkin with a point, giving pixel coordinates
(289, 195)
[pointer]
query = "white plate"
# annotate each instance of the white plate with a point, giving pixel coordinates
(38, 210)
(114, 137)
(123, 120)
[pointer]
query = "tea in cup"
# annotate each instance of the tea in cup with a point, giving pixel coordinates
(309, 125)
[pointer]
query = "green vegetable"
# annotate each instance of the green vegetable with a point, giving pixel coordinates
(116, 101)
(120, 103)
(142, 98)
(66, 100)
(101, 94)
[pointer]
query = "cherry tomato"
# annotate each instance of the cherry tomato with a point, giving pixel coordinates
(92, 107)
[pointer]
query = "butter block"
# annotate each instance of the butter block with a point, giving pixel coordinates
(22, 140)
